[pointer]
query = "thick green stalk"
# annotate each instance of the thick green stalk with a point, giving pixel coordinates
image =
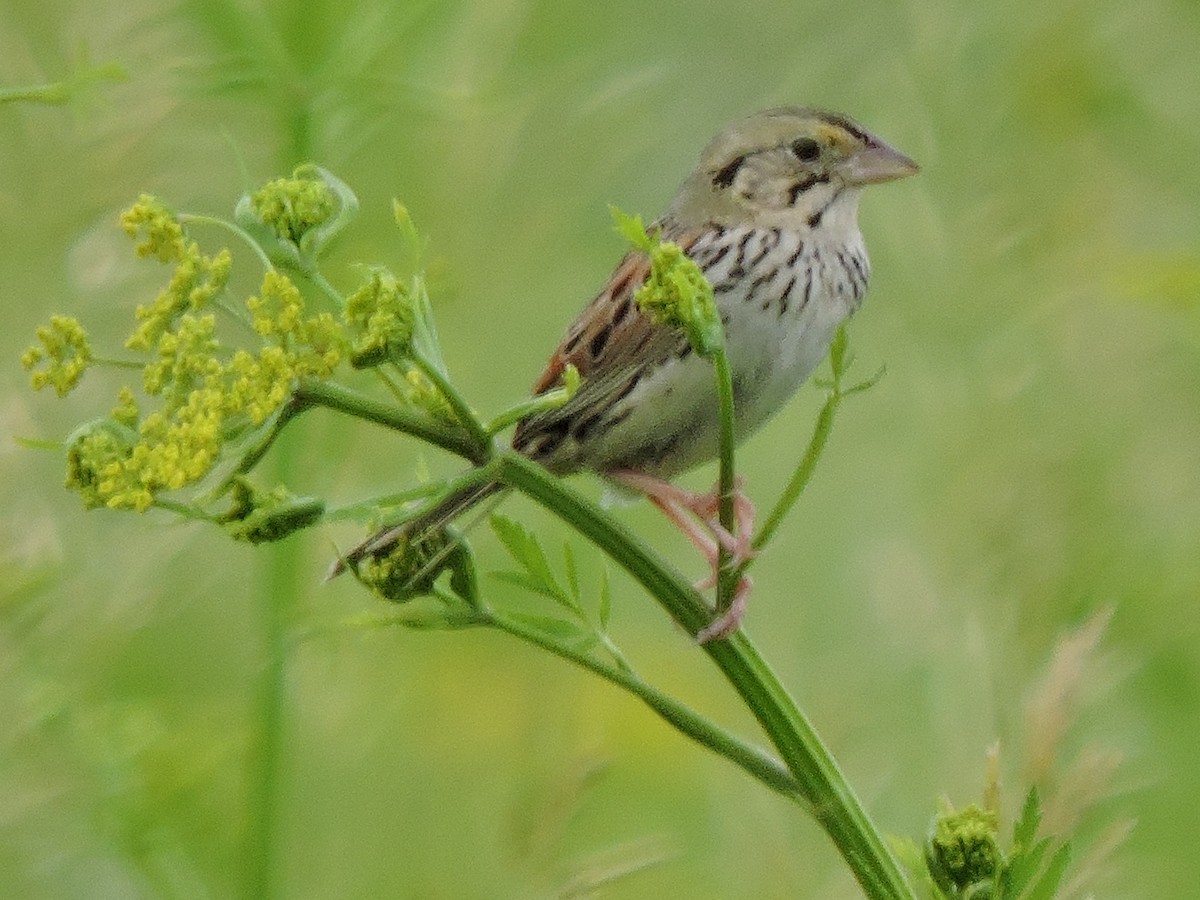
(283, 584)
(418, 424)
(835, 805)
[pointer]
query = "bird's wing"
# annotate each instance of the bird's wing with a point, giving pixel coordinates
(611, 344)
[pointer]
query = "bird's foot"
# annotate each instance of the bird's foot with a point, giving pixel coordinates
(697, 515)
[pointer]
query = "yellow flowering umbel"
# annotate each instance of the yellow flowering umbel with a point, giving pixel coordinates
(206, 394)
(65, 349)
(198, 395)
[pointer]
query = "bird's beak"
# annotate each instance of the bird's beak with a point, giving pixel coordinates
(876, 162)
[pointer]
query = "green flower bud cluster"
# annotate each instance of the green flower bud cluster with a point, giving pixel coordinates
(382, 315)
(963, 857)
(676, 292)
(963, 851)
(417, 562)
(258, 517)
(291, 207)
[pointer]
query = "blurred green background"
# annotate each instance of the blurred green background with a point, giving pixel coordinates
(1030, 460)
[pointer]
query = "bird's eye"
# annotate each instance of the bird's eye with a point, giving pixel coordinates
(806, 149)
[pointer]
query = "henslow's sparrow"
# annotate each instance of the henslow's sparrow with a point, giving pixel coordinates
(770, 214)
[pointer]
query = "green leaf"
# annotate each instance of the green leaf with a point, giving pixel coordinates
(1047, 885)
(552, 627)
(867, 384)
(425, 339)
(1025, 828)
(29, 443)
(522, 545)
(572, 573)
(912, 857)
(1022, 866)
(315, 240)
(529, 583)
(631, 228)
(605, 600)
(586, 643)
(412, 245)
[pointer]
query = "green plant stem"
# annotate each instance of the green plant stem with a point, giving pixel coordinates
(51, 94)
(232, 227)
(835, 806)
(550, 400)
(686, 720)
(263, 440)
(804, 471)
(313, 274)
(726, 479)
(458, 403)
(418, 424)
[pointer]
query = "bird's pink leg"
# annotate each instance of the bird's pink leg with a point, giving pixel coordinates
(683, 507)
(676, 502)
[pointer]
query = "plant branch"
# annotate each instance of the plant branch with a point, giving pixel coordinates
(408, 420)
(462, 410)
(703, 731)
(804, 471)
(835, 805)
(727, 578)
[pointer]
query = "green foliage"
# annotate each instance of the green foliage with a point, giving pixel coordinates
(258, 517)
(536, 576)
(415, 565)
(206, 398)
(962, 856)
(962, 852)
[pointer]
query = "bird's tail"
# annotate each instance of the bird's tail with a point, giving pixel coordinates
(384, 541)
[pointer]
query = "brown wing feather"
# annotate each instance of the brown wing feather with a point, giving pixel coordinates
(608, 343)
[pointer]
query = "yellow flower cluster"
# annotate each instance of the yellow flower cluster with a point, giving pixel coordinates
(292, 206)
(155, 228)
(315, 344)
(203, 394)
(197, 280)
(65, 349)
(203, 399)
